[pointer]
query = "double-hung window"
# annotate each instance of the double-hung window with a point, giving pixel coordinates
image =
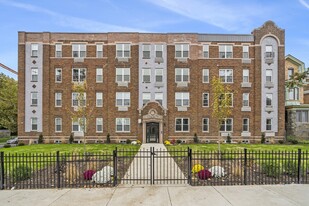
(205, 124)
(226, 75)
(58, 99)
(226, 125)
(159, 97)
(34, 98)
(122, 124)
(182, 124)
(58, 75)
(99, 99)
(122, 99)
(146, 97)
(245, 52)
(99, 48)
(99, 75)
(269, 51)
(245, 125)
(79, 50)
(293, 94)
(205, 99)
(205, 75)
(206, 51)
(34, 123)
(182, 50)
(34, 74)
(99, 124)
(182, 99)
(302, 116)
(78, 99)
(182, 75)
(245, 76)
(159, 50)
(122, 74)
(58, 50)
(269, 99)
(79, 125)
(226, 99)
(290, 72)
(245, 99)
(123, 50)
(225, 51)
(268, 124)
(58, 124)
(34, 50)
(146, 75)
(146, 51)
(159, 75)
(79, 74)
(269, 74)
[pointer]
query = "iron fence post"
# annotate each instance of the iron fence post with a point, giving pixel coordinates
(189, 166)
(58, 168)
(2, 171)
(115, 167)
(245, 166)
(299, 166)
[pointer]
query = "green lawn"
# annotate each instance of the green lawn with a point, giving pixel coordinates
(67, 148)
(237, 147)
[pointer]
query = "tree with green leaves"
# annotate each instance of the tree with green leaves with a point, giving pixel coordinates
(297, 80)
(8, 103)
(221, 104)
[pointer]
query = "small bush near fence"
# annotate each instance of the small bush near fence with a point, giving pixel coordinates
(21, 172)
(271, 168)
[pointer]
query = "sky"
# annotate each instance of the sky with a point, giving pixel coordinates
(159, 16)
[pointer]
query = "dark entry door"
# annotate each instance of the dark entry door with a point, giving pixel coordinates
(152, 132)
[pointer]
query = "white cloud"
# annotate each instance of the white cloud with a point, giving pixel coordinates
(70, 21)
(304, 3)
(232, 16)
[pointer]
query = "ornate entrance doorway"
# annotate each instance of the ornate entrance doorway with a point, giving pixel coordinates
(152, 132)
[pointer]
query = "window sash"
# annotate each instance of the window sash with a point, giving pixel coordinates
(159, 75)
(205, 75)
(123, 50)
(58, 99)
(182, 99)
(245, 99)
(206, 51)
(182, 75)
(245, 125)
(79, 50)
(34, 98)
(226, 125)
(146, 51)
(205, 99)
(182, 124)
(226, 75)
(122, 99)
(78, 74)
(122, 124)
(159, 97)
(122, 74)
(225, 51)
(34, 50)
(245, 75)
(159, 50)
(99, 50)
(99, 75)
(58, 124)
(34, 74)
(245, 52)
(78, 99)
(269, 75)
(99, 99)
(34, 123)
(99, 124)
(146, 75)
(146, 97)
(269, 98)
(182, 50)
(268, 124)
(58, 75)
(205, 124)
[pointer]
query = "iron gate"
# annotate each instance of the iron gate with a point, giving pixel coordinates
(150, 166)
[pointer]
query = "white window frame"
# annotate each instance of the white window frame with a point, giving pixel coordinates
(224, 51)
(34, 123)
(269, 51)
(232, 98)
(146, 51)
(244, 125)
(99, 50)
(181, 72)
(146, 97)
(123, 123)
(181, 97)
(224, 77)
(124, 97)
(145, 73)
(206, 51)
(58, 50)
(180, 50)
(245, 52)
(99, 75)
(79, 50)
(80, 78)
(34, 74)
(77, 123)
(293, 94)
(245, 100)
(99, 123)
(290, 72)
(205, 100)
(245, 76)
(269, 124)
(182, 125)
(269, 98)
(158, 74)
(58, 99)
(58, 80)
(159, 97)
(203, 124)
(34, 98)
(58, 122)
(79, 101)
(224, 124)
(99, 99)
(123, 50)
(123, 72)
(205, 75)
(34, 50)
(269, 71)
(159, 50)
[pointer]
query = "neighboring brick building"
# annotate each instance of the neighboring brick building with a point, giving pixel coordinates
(151, 86)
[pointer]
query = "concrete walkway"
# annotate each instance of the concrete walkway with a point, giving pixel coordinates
(281, 195)
(165, 170)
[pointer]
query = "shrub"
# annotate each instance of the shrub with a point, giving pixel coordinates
(166, 142)
(21, 144)
(40, 141)
(228, 139)
(204, 174)
(71, 139)
(138, 142)
(263, 138)
(196, 168)
(292, 139)
(271, 169)
(128, 141)
(88, 174)
(108, 139)
(280, 141)
(179, 141)
(290, 168)
(6, 146)
(21, 172)
(195, 138)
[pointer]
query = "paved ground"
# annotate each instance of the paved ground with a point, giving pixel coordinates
(281, 195)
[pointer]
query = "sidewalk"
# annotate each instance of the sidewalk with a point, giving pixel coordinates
(281, 195)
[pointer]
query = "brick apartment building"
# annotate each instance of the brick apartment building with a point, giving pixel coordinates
(151, 86)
